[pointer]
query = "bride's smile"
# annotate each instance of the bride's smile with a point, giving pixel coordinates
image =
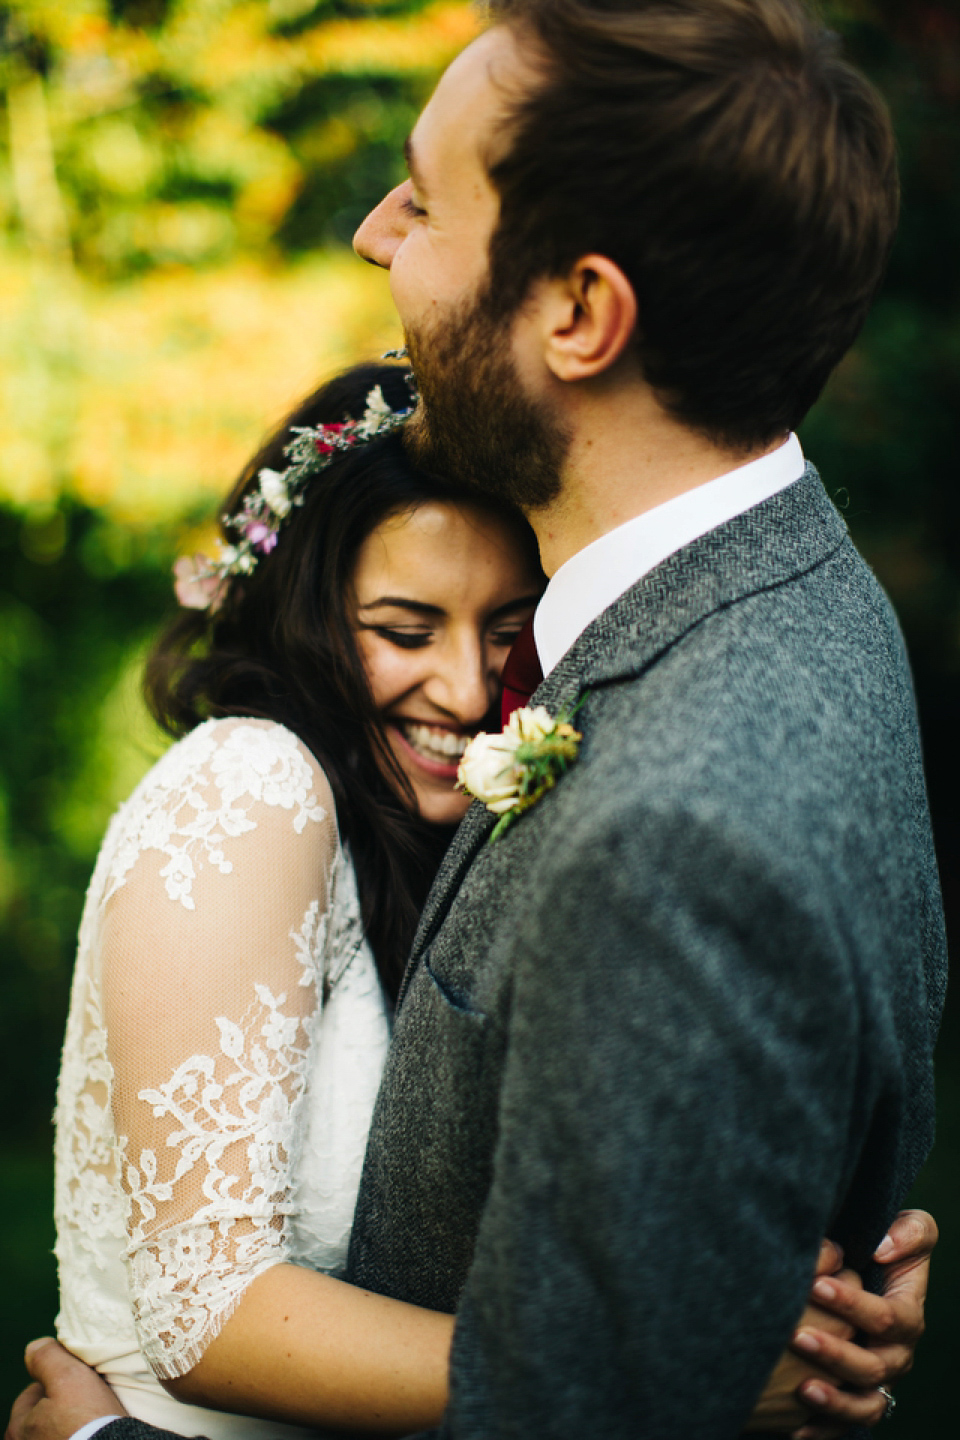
(436, 748)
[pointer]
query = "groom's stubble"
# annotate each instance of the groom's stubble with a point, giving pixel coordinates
(476, 423)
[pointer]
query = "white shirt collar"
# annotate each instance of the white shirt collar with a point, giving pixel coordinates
(590, 581)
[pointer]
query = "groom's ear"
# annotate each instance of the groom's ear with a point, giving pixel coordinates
(589, 317)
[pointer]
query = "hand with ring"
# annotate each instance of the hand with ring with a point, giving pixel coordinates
(850, 1343)
(888, 1327)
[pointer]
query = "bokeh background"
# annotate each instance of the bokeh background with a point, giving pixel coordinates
(179, 182)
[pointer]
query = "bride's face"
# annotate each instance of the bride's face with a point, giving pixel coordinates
(439, 596)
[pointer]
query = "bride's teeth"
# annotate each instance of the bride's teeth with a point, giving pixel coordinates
(435, 744)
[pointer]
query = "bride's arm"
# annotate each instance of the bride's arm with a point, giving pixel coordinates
(304, 1348)
(211, 988)
(67, 1395)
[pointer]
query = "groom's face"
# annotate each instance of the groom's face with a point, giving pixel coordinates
(480, 419)
(432, 232)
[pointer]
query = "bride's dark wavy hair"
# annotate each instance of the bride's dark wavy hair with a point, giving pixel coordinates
(281, 647)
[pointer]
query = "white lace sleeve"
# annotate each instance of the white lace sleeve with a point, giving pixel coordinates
(212, 931)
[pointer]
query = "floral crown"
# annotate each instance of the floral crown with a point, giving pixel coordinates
(201, 580)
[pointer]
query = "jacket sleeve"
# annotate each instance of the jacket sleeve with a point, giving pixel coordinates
(681, 1061)
(131, 1429)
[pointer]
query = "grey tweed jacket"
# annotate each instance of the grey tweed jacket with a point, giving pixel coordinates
(677, 1023)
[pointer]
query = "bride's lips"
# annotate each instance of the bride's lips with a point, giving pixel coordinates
(417, 740)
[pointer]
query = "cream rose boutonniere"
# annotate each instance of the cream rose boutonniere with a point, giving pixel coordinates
(510, 771)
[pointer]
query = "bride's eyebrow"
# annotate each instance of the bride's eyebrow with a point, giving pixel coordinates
(419, 607)
(398, 601)
(521, 603)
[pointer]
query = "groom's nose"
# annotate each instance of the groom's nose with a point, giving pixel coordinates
(380, 234)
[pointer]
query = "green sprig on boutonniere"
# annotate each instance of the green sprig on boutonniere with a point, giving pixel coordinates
(510, 771)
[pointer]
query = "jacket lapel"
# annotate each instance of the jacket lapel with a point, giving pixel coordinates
(472, 834)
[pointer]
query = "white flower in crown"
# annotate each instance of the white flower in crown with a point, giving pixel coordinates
(376, 413)
(510, 771)
(273, 488)
(240, 561)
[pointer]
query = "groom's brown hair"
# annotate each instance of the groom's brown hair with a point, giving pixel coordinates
(737, 169)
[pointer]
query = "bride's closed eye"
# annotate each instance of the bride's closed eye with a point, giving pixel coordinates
(505, 635)
(403, 639)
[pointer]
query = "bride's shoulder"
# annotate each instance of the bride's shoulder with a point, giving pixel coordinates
(241, 757)
(227, 784)
(225, 779)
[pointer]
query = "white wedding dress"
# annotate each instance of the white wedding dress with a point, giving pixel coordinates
(226, 1035)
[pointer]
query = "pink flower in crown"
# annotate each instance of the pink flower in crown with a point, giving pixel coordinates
(196, 588)
(261, 535)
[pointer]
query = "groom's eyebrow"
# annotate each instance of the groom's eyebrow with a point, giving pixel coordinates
(409, 154)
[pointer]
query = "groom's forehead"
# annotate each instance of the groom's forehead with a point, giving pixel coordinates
(456, 134)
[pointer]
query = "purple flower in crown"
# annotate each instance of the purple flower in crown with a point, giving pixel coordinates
(261, 535)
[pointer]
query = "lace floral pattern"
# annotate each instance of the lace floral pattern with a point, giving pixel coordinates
(199, 1138)
(173, 813)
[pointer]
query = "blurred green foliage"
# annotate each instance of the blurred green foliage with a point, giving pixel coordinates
(186, 131)
(146, 135)
(887, 427)
(78, 599)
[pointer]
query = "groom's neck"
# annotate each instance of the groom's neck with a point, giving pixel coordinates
(627, 455)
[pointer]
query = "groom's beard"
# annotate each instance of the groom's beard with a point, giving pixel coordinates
(474, 423)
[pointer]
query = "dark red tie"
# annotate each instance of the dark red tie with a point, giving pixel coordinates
(521, 674)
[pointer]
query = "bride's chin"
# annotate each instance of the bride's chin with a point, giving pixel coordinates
(438, 801)
(443, 810)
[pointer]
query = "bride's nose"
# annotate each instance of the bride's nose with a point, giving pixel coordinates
(464, 683)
